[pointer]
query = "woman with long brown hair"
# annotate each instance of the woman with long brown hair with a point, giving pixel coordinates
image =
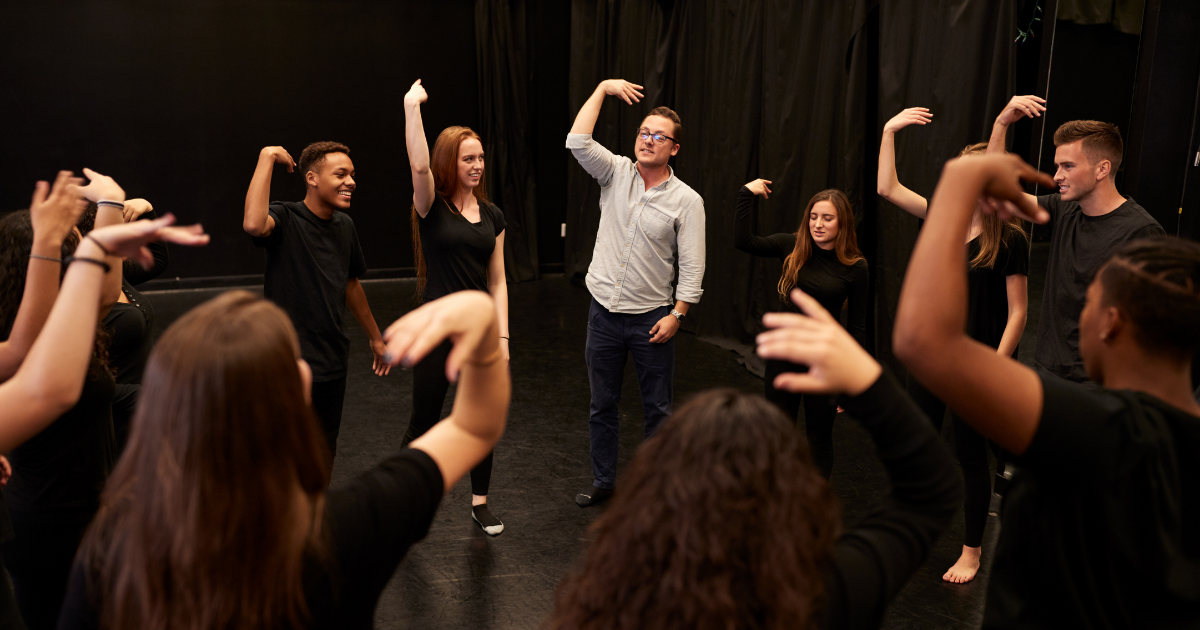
(822, 259)
(458, 244)
(998, 268)
(217, 514)
(722, 521)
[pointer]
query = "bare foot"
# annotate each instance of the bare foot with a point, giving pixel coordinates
(965, 569)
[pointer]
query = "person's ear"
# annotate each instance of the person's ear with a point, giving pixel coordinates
(1112, 323)
(1103, 169)
(310, 178)
(305, 378)
(675, 149)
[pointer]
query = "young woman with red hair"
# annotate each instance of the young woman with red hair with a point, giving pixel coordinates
(458, 243)
(822, 259)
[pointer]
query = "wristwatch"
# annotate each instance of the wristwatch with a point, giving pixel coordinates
(678, 315)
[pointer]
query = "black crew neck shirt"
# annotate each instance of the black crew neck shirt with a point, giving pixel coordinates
(987, 288)
(371, 523)
(822, 276)
(457, 251)
(309, 262)
(1079, 244)
(1102, 518)
(64, 467)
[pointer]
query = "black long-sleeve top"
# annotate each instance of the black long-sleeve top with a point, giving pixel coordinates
(873, 560)
(822, 276)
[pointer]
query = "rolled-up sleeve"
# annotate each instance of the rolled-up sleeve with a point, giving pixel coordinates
(598, 161)
(691, 253)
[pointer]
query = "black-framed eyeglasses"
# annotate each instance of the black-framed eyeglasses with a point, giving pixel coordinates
(659, 138)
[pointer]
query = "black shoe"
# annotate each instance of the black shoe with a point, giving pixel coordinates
(592, 495)
(488, 521)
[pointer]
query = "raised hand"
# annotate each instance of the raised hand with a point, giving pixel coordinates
(910, 116)
(623, 90)
(54, 210)
(135, 208)
(466, 318)
(760, 187)
(281, 156)
(416, 95)
(1002, 174)
(101, 188)
(836, 363)
(129, 240)
(1021, 107)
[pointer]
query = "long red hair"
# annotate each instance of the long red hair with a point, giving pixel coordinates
(443, 163)
(845, 243)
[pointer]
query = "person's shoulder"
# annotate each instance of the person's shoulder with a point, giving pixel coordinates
(1139, 215)
(685, 192)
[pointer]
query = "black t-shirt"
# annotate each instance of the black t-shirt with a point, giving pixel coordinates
(875, 558)
(1079, 244)
(1101, 523)
(371, 523)
(64, 467)
(309, 262)
(822, 276)
(129, 325)
(987, 289)
(457, 251)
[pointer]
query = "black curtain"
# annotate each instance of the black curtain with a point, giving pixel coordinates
(504, 57)
(958, 58)
(787, 91)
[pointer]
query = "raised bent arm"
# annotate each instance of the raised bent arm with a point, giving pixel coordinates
(52, 214)
(418, 149)
(476, 363)
(585, 121)
(887, 181)
(256, 220)
(998, 396)
(104, 188)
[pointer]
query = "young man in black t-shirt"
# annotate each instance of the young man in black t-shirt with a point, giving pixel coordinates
(313, 265)
(1089, 220)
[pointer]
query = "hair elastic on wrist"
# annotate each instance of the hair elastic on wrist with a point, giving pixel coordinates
(99, 263)
(120, 205)
(98, 244)
(503, 337)
(50, 258)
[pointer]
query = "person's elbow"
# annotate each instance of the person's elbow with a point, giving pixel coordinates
(254, 227)
(912, 341)
(884, 190)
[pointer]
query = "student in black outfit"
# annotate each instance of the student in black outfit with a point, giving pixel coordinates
(130, 322)
(1089, 220)
(1100, 520)
(722, 520)
(223, 410)
(58, 473)
(313, 265)
(822, 259)
(36, 241)
(997, 305)
(458, 244)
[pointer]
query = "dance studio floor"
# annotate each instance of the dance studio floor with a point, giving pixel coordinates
(460, 578)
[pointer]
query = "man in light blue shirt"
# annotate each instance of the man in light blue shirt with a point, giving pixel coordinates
(649, 221)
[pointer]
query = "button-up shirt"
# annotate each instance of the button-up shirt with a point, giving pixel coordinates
(642, 233)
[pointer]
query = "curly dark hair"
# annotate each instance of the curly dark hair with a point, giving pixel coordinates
(720, 522)
(16, 243)
(313, 155)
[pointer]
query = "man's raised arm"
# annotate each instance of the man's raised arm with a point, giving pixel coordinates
(256, 221)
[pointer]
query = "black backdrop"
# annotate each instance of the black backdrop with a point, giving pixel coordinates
(176, 99)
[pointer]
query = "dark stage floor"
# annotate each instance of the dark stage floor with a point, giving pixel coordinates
(460, 578)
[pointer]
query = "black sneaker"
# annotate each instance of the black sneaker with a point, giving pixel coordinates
(592, 495)
(488, 521)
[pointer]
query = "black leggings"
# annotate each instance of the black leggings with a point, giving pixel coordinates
(327, 400)
(429, 394)
(971, 448)
(819, 413)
